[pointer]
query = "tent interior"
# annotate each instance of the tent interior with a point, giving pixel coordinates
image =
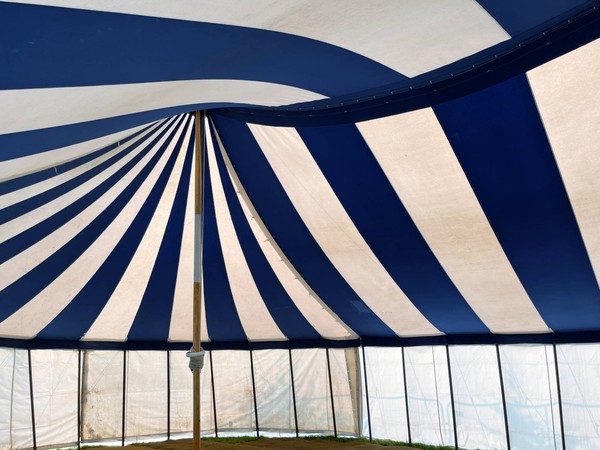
(390, 211)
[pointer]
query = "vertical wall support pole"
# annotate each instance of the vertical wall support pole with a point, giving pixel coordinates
(406, 397)
(31, 398)
(560, 409)
(451, 397)
(168, 394)
(198, 216)
(79, 398)
(293, 391)
(506, 429)
(254, 393)
(331, 392)
(214, 396)
(124, 398)
(366, 391)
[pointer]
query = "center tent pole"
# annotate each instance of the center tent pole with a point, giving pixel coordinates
(196, 354)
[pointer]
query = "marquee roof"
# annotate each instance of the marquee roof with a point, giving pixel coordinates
(392, 173)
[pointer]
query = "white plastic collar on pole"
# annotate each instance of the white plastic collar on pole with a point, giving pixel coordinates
(196, 358)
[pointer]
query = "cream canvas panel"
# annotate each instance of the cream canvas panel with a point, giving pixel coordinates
(334, 231)
(46, 305)
(20, 264)
(433, 32)
(274, 397)
(54, 374)
(101, 394)
(41, 213)
(233, 391)
(146, 391)
(117, 316)
(531, 395)
(418, 160)
(477, 396)
(254, 315)
(568, 99)
(313, 401)
(387, 399)
(316, 312)
(32, 109)
(428, 390)
(25, 165)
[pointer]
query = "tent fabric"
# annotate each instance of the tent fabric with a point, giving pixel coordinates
(535, 416)
(471, 220)
(78, 73)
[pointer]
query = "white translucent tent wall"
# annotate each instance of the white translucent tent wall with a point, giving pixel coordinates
(404, 394)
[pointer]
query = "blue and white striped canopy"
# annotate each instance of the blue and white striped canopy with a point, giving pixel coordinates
(391, 172)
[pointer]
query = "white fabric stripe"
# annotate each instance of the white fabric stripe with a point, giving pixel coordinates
(314, 310)
(33, 217)
(252, 311)
(44, 307)
(35, 189)
(117, 316)
(14, 168)
(31, 109)
(568, 98)
(181, 328)
(411, 36)
(334, 231)
(25, 261)
(421, 166)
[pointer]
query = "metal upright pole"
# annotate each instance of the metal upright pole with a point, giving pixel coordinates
(214, 396)
(79, 398)
(451, 397)
(406, 397)
(504, 410)
(560, 408)
(199, 116)
(367, 391)
(31, 398)
(124, 405)
(168, 394)
(254, 394)
(335, 433)
(293, 391)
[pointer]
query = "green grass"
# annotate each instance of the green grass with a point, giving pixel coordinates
(382, 442)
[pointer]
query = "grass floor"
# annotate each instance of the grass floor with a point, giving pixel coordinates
(305, 443)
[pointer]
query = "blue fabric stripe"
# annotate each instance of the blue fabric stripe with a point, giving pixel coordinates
(26, 143)
(468, 339)
(286, 226)
(24, 289)
(52, 47)
(465, 339)
(26, 239)
(31, 203)
(222, 320)
(463, 77)
(153, 318)
(79, 315)
(501, 143)
(516, 16)
(371, 202)
(45, 174)
(286, 315)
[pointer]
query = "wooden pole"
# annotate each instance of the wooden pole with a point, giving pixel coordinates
(198, 268)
